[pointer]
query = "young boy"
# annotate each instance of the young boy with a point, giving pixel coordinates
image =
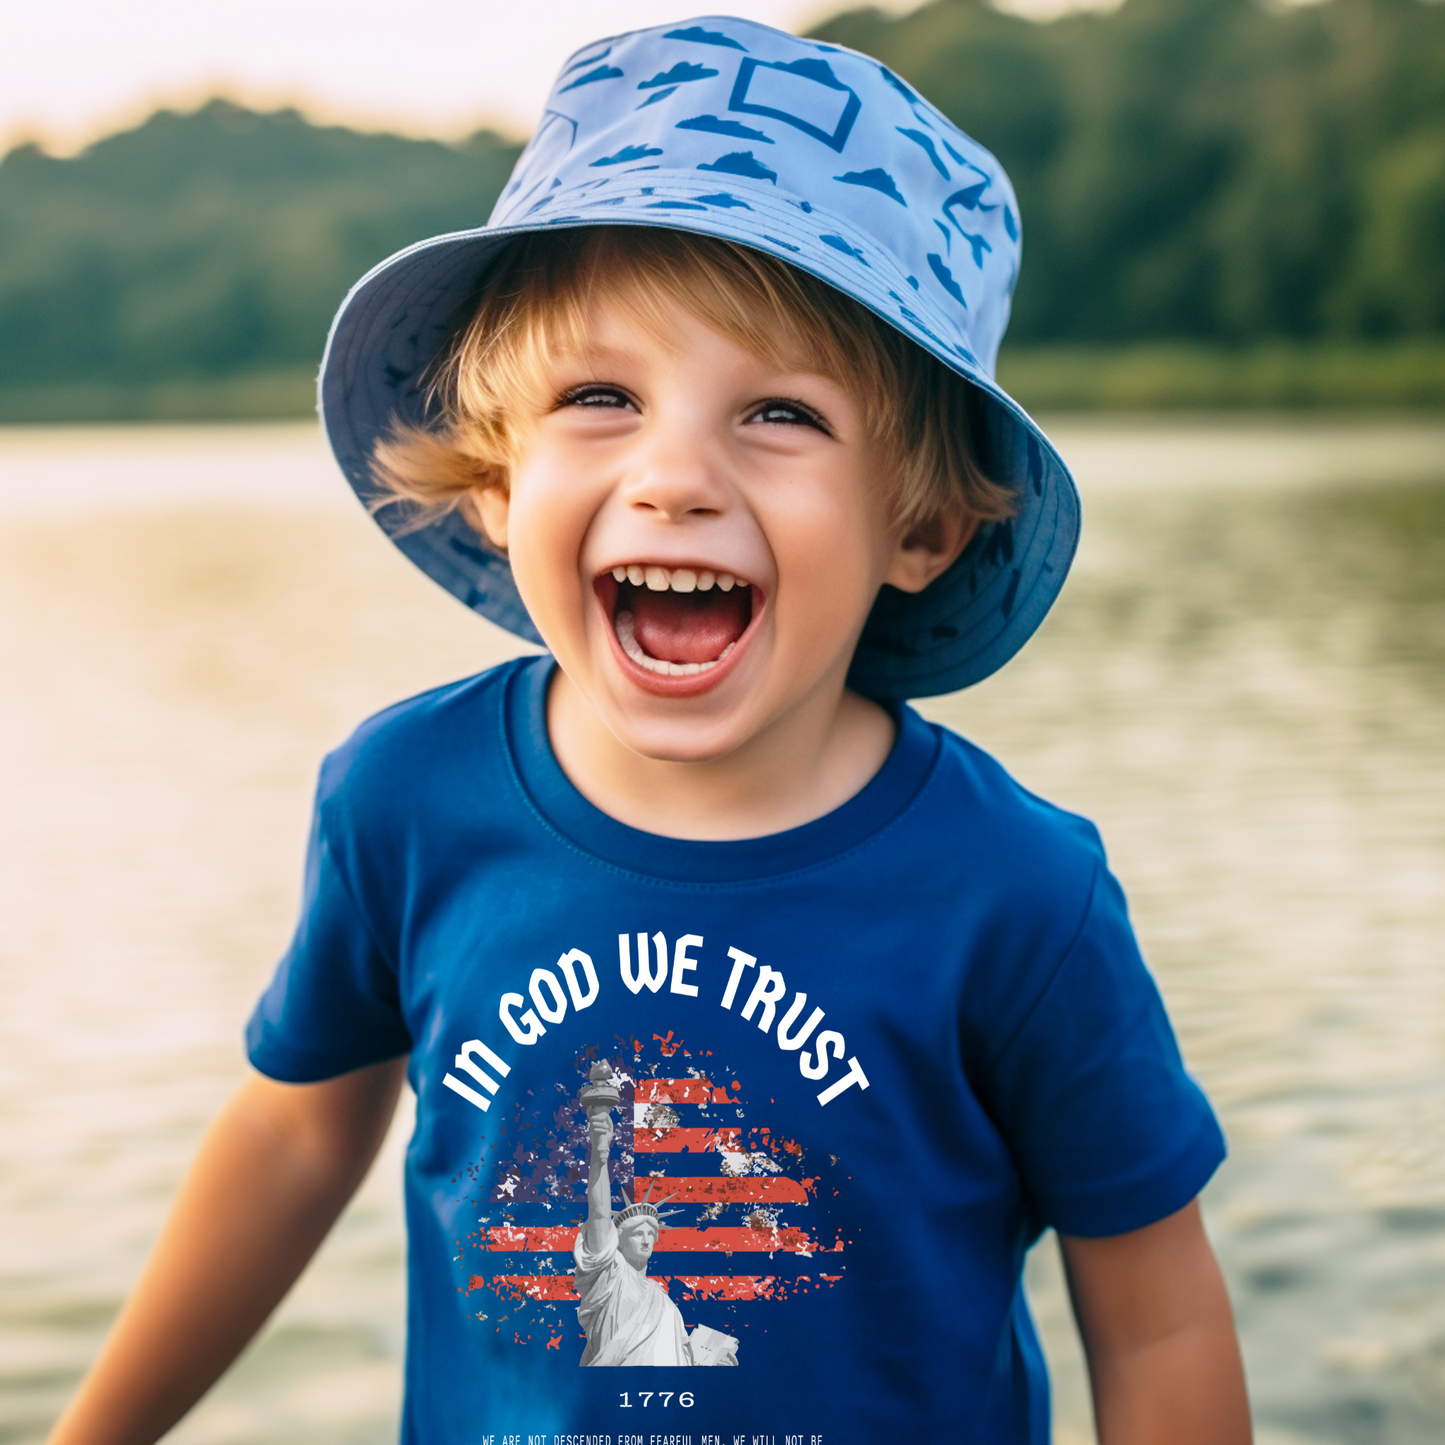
(708, 409)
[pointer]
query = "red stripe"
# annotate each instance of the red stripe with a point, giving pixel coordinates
(731, 1239)
(730, 1189)
(558, 1287)
(719, 1239)
(728, 1286)
(685, 1141)
(507, 1238)
(680, 1091)
(527, 1286)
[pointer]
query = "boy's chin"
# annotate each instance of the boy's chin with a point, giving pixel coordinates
(663, 739)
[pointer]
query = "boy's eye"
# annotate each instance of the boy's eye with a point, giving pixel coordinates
(596, 397)
(780, 411)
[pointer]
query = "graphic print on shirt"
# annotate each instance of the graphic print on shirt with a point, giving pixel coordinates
(629, 1319)
(682, 1226)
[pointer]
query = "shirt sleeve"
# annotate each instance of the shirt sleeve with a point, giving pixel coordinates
(333, 1004)
(1107, 1129)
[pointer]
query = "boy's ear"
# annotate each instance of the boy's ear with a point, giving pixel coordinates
(929, 549)
(492, 507)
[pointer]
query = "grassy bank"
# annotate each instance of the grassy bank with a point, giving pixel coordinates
(1268, 376)
(251, 396)
(1407, 376)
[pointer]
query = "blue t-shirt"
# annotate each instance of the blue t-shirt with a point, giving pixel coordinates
(865, 1062)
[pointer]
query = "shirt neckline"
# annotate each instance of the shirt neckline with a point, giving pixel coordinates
(887, 794)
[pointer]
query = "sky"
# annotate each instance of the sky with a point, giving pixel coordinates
(72, 70)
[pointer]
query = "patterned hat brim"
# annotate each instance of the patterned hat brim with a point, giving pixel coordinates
(403, 315)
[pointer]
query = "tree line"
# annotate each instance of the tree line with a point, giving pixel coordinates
(213, 243)
(1207, 170)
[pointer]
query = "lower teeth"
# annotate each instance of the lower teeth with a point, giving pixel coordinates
(626, 628)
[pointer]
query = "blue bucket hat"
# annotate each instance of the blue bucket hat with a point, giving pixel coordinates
(815, 155)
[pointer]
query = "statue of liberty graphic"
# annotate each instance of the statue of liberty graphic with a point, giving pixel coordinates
(628, 1318)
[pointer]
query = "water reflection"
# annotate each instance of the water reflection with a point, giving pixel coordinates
(1242, 685)
(1244, 689)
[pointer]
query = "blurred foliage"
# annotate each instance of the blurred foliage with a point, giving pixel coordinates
(1259, 376)
(1224, 203)
(205, 245)
(1203, 168)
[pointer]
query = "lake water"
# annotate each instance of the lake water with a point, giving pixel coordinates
(1243, 684)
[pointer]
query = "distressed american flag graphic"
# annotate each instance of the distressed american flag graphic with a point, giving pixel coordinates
(749, 1222)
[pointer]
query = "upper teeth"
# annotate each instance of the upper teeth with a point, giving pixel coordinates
(676, 579)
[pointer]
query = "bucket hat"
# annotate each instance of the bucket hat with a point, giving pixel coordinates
(816, 155)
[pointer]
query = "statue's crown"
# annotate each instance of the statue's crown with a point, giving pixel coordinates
(642, 1209)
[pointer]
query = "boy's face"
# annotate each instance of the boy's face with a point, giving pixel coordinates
(698, 535)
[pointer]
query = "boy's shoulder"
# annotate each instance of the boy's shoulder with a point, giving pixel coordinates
(417, 744)
(1001, 832)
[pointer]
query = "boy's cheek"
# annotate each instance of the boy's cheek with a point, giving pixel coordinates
(546, 516)
(547, 538)
(832, 572)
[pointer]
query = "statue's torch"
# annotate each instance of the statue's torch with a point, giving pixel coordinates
(600, 1095)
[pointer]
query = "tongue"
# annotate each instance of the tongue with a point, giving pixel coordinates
(688, 626)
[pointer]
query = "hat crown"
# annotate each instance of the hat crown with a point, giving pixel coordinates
(719, 114)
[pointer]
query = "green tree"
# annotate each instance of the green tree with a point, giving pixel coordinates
(1207, 169)
(211, 243)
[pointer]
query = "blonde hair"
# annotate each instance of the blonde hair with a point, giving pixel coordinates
(536, 305)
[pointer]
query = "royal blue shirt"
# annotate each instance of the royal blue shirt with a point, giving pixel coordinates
(866, 1061)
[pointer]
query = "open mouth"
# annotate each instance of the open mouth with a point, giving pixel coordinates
(676, 621)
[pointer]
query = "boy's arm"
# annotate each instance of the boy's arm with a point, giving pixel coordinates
(1159, 1336)
(273, 1172)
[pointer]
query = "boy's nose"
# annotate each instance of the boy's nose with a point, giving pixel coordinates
(674, 477)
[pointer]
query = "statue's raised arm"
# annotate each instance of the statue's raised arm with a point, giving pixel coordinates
(628, 1318)
(599, 1098)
